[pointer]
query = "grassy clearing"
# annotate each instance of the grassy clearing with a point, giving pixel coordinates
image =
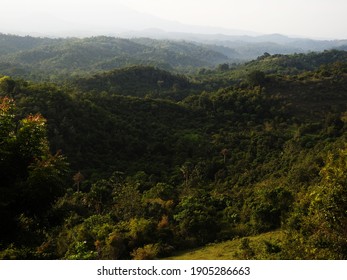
(263, 246)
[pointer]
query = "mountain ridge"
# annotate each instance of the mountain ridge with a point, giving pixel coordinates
(37, 58)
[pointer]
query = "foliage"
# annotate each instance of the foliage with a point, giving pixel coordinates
(57, 59)
(321, 230)
(140, 162)
(150, 82)
(148, 252)
(196, 217)
(31, 178)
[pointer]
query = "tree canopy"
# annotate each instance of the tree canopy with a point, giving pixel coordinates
(140, 162)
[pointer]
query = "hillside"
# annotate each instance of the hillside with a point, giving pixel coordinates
(296, 63)
(142, 163)
(53, 59)
(11, 43)
(45, 59)
(243, 47)
(138, 81)
(266, 245)
(292, 64)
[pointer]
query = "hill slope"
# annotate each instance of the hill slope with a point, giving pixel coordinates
(138, 81)
(48, 58)
(141, 177)
(266, 245)
(61, 59)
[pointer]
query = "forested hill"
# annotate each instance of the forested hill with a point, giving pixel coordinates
(61, 58)
(266, 64)
(46, 59)
(11, 43)
(296, 63)
(140, 162)
(138, 81)
(153, 82)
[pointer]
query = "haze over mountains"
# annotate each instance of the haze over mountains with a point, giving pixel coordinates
(71, 20)
(124, 22)
(132, 37)
(180, 52)
(83, 23)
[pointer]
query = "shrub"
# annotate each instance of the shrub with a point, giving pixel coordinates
(148, 252)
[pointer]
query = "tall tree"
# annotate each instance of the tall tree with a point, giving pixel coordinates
(30, 177)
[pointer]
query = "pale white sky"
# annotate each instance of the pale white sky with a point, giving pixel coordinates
(311, 18)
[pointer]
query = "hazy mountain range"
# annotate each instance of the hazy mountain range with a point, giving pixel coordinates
(121, 22)
(78, 42)
(117, 22)
(273, 43)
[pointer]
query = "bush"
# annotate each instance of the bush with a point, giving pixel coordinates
(148, 252)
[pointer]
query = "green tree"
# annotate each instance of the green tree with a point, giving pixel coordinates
(30, 177)
(270, 207)
(319, 223)
(329, 205)
(7, 85)
(256, 78)
(196, 217)
(223, 67)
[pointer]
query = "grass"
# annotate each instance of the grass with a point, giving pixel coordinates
(263, 246)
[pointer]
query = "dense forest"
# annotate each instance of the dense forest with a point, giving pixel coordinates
(124, 158)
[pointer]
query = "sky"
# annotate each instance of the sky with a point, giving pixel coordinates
(305, 18)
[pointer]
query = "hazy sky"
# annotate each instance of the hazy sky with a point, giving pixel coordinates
(312, 18)
(325, 18)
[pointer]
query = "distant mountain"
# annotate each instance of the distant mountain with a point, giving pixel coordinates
(295, 63)
(12, 43)
(31, 57)
(118, 21)
(245, 47)
(56, 59)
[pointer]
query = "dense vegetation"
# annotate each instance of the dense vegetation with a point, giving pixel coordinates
(141, 163)
(59, 59)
